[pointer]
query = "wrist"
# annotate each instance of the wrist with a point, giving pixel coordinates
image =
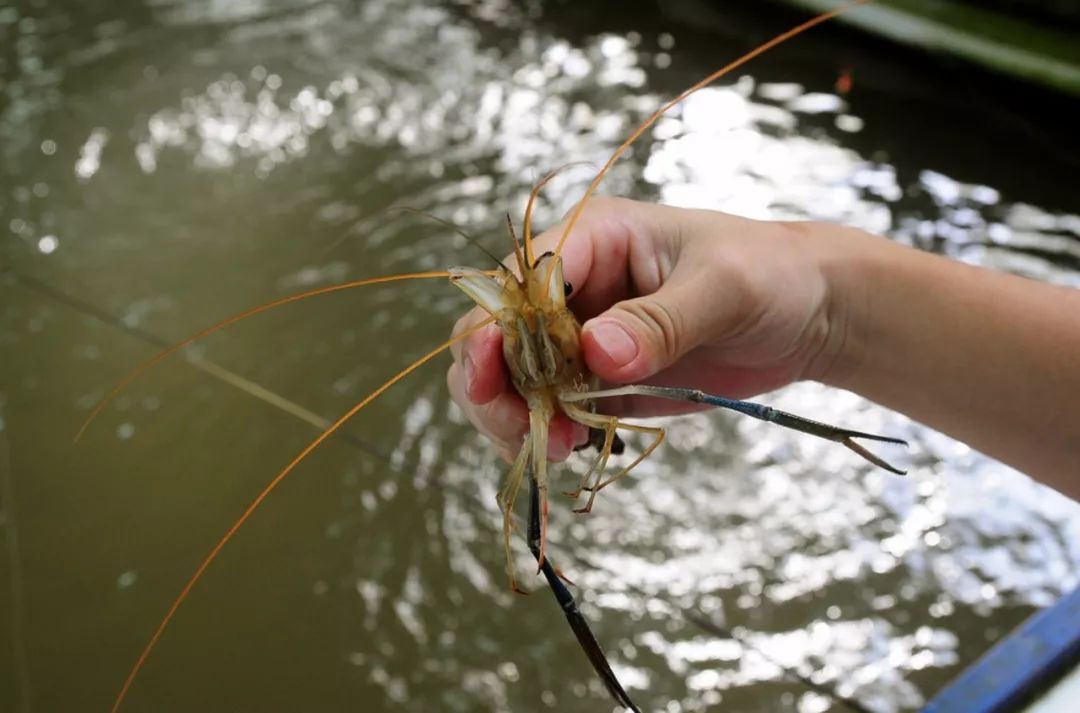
(852, 263)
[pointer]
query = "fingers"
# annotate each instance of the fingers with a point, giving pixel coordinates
(563, 436)
(639, 337)
(505, 420)
(480, 359)
(479, 383)
(682, 296)
(617, 248)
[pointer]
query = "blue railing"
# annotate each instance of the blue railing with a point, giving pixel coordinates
(1020, 667)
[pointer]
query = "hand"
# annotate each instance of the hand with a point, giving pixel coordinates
(673, 297)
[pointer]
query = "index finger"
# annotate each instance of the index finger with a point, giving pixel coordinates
(611, 253)
(480, 357)
(469, 319)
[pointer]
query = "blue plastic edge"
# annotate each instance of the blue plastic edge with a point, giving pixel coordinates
(1019, 667)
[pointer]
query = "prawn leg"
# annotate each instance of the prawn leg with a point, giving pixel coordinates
(539, 417)
(761, 412)
(606, 448)
(658, 435)
(573, 615)
(506, 498)
(609, 424)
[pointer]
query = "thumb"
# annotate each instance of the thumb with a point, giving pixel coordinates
(637, 338)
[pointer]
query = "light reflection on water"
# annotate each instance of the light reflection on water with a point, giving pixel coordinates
(190, 159)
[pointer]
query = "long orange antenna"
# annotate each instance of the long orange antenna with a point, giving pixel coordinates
(779, 39)
(533, 195)
(265, 492)
(523, 265)
(530, 255)
(141, 368)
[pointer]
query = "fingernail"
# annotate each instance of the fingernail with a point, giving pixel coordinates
(614, 341)
(470, 373)
(558, 449)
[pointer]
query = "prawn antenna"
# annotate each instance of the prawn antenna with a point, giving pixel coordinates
(263, 495)
(523, 263)
(146, 365)
(533, 195)
(731, 66)
(470, 239)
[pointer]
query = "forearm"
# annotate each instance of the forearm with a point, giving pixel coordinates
(988, 358)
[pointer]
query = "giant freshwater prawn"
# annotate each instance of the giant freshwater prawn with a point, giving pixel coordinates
(541, 346)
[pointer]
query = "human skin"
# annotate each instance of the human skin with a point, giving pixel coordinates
(735, 307)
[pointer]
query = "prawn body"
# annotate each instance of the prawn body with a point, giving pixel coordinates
(542, 351)
(541, 336)
(541, 340)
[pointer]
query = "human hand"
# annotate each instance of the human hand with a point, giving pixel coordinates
(672, 297)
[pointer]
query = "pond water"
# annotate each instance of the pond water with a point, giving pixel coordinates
(167, 163)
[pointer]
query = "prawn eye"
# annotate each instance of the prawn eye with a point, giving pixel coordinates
(567, 288)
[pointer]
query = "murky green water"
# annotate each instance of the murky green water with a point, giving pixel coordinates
(169, 163)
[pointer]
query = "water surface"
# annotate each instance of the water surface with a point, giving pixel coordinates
(165, 164)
